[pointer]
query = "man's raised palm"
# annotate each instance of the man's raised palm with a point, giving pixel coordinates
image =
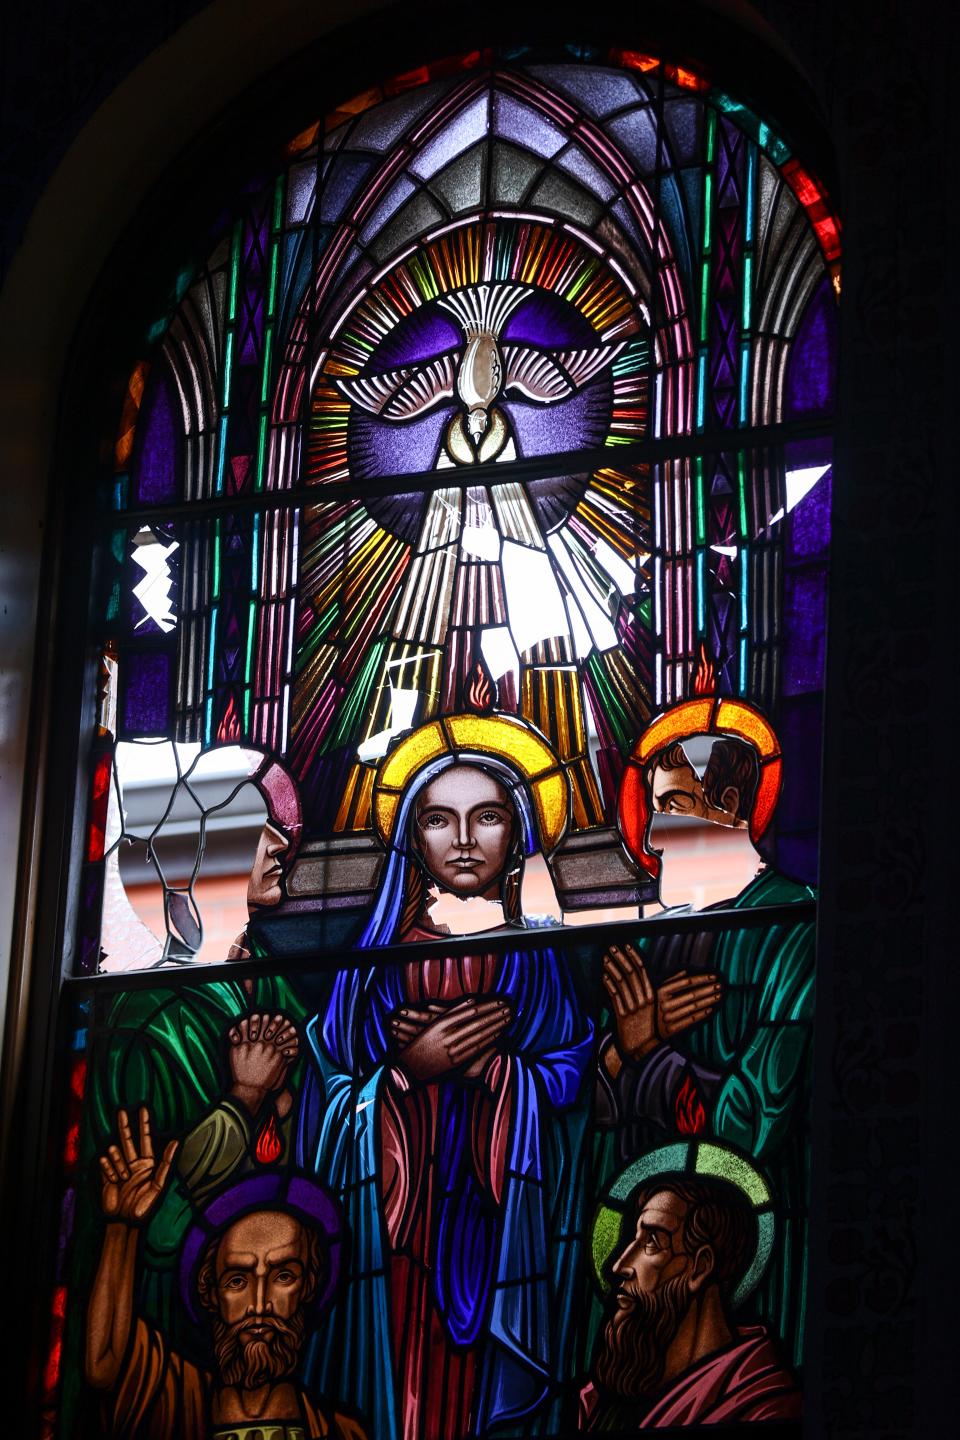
(132, 1179)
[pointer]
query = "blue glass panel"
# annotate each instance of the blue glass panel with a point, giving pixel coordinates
(300, 185)
(294, 267)
(683, 119)
(692, 181)
(671, 208)
(340, 183)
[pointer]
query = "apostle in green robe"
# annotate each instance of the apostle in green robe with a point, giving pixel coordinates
(710, 1031)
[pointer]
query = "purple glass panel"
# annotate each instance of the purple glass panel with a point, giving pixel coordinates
(156, 476)
(394, 199)
(547, 429)
(798, 855)
(146, 701)
(811, 369)
(251, 324)
(465, 130)
(805, 602)
(598, 92)
(546, 321)
(421, 336)
(637, 135)
(808, 532)
(523, 125)
(378, 447)
(576, 163)
(798, 812)
(799, 454)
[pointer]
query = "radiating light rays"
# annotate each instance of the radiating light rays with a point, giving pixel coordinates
(489, 577)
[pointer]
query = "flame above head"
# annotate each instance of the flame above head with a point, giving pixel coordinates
(229, 728)
(705, 678)
(689, 1114)
(480, 693)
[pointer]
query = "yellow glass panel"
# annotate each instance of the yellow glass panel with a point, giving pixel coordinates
(550, 795)
(343, 814)
(744, 720)
(691, 718)
(361, 818)
(501, 735)
(385, 809)
(417, 750)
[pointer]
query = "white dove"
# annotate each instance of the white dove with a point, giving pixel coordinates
(478, 376)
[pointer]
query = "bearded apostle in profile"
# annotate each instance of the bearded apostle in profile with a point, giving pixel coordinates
(671, 1353)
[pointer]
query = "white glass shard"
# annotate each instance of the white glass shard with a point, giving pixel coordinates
(153, 591)
(403, 705)
(534, 603)
(582, 639)
(801, 482)
(595, 613)
(482, 541)
(498, 651)
(621, 572)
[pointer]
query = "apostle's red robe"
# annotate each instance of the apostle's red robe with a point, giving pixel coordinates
(745, 1382)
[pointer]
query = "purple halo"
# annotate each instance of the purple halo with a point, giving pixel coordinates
(293, 1194)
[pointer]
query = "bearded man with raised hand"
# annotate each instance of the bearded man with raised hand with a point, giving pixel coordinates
(260, 1258)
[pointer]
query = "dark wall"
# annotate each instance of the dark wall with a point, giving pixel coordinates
(881, 1327)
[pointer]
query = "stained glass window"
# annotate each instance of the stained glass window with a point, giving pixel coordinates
(460, 598)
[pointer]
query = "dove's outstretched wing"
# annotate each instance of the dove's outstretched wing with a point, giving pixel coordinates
(549, 376)
(404, 394)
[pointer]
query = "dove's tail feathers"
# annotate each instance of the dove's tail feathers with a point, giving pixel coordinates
(484, 309)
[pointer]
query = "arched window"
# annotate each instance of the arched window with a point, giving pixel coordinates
(445, 910)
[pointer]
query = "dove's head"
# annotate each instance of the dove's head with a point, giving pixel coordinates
(477, 422)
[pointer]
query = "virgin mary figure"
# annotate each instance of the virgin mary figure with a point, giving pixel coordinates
(446, 1105)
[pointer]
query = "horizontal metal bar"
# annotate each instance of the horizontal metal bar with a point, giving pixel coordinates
(492, 941)
(540, 467)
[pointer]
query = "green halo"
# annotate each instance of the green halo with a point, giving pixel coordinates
(689, 1158)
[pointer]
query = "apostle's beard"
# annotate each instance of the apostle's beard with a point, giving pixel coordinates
(252, 1361)
(637, 1337)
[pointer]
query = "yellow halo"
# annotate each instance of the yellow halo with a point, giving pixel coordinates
(504, 736)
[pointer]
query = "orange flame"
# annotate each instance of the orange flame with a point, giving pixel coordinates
(480, 696)
(230, 724)
(705, 679)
